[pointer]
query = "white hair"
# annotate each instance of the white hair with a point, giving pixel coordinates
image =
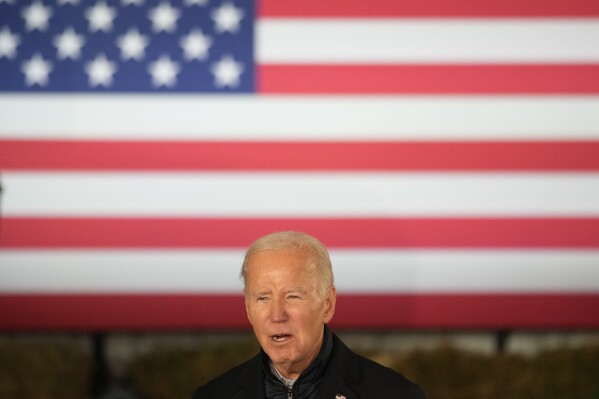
(318, 263)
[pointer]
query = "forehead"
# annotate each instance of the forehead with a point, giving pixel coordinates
(287, 262)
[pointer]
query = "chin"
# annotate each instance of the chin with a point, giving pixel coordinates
(279, 355)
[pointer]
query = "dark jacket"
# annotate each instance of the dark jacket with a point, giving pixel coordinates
(348, 375)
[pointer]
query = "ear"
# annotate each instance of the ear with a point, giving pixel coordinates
(329, 304)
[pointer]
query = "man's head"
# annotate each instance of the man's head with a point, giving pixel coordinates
(289, 296)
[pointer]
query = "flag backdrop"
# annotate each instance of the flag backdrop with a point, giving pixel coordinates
(446, 152)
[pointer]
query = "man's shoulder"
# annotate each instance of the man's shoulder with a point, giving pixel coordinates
(379, 377)
(373, 379)
(228, 384)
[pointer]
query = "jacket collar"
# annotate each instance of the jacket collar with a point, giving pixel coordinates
(252, 380)
(343, 371)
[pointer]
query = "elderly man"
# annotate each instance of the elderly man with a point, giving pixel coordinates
(289, 299)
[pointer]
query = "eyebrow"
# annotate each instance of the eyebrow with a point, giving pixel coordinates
(296, 291)
(291, 291)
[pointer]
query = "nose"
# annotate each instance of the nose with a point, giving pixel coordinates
(278, 312)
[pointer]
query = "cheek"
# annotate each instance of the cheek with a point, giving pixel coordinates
(252, 316)
(258, 318)
(310, 321)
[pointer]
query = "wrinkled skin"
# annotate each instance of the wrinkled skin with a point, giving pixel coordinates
(285, 310)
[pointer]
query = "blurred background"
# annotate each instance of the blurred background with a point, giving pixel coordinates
(447, 153)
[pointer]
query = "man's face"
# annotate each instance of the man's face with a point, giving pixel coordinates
(285, 310)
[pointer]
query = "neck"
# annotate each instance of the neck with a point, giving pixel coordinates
(288, 382)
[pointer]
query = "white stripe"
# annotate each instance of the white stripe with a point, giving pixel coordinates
(466, 271)
(300, 194)
(427, 40)
(298, 118)
(355, 271)
(119, 271)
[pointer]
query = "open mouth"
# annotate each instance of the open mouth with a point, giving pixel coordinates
(281, 337)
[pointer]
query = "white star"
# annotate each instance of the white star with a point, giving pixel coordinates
(63, 2)
(195, 45)
(227, 72)
(227, 18)
(69, 44)
(36, 71)
(132, 45)
(133, 2)
(190, 3)
(164, 72)
(100, 71)
(100, 17)
(8, 43)
(36, 16)
(164, 17)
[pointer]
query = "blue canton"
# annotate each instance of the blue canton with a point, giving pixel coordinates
(127, 46)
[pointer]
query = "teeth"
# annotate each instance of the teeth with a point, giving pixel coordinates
(280, 338)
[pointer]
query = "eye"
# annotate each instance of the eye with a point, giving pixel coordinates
(294, 297)
(261, 298)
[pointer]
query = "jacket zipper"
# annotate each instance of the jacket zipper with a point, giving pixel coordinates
(289, 394)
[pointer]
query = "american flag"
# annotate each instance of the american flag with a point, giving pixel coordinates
(446, 152)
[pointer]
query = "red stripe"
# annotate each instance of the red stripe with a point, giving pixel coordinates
(187, 311)
(428, 8)
(468, 311)
(19, 233)
(299, 156)
(428, 79)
